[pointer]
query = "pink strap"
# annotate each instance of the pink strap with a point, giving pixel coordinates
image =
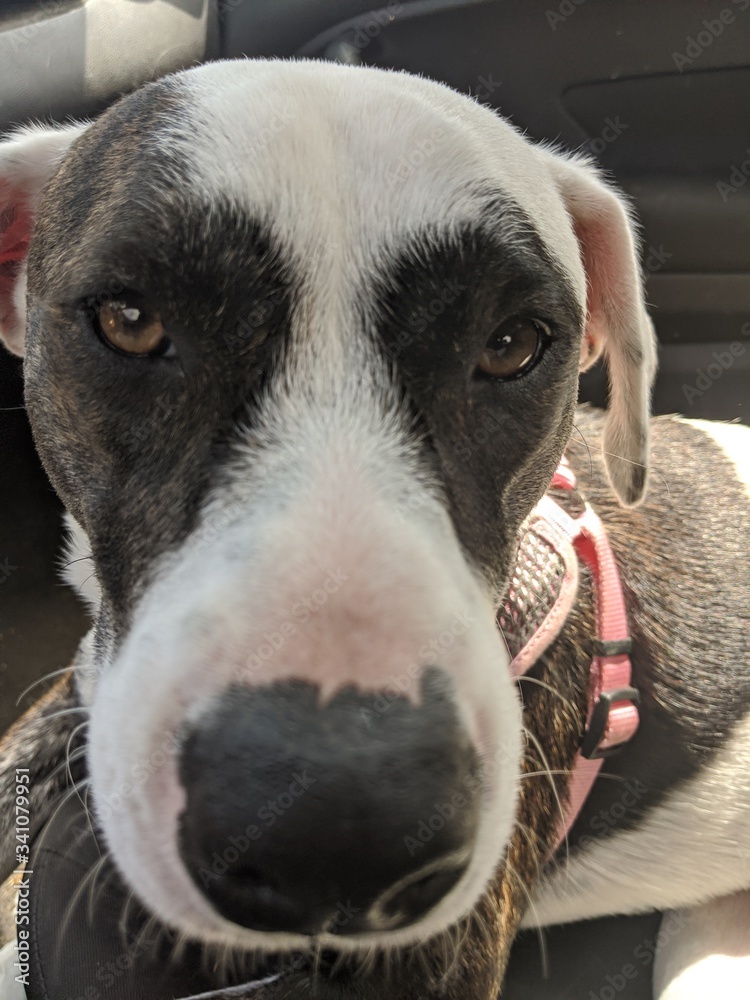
(563, 605)
(613, 713)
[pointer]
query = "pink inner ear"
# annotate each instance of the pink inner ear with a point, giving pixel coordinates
(15, 232)
(596, 256)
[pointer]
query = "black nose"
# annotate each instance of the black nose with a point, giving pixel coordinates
(355, 815)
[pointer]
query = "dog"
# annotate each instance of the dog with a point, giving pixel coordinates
(301, 355)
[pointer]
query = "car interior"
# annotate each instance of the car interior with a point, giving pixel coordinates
(656, 93)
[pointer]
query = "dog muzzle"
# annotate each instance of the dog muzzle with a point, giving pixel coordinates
(85, 937)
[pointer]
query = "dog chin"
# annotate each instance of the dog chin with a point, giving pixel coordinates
(204, 926)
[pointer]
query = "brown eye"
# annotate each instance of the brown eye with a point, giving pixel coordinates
(129, 325)
(513, 349)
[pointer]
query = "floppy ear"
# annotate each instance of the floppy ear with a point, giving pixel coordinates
(28, 159)
(617, 323)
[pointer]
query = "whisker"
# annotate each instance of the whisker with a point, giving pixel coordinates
(543, 951)
(545, 774)
(553, 786)
(63, 765)
(41, 680)
(579, 432)
(141, 938)
(532, 839)
(97, 868)
(74, 732)
(71, 905)
(72, 562)
(459, 936)
(568, 702)
(123, 921)
(73, 710)
(639, 465)
(181, 942)
(69, 793)
(79, 589)
(478, 921)
(316, 957)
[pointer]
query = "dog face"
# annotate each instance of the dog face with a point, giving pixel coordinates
(301, 352)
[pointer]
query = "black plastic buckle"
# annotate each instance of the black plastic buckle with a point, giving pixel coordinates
(597, 727)
(613, 647)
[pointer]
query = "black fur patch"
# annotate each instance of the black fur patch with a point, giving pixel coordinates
(133, 444)
(493, 445)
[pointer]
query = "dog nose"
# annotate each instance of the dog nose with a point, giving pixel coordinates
(356, 815)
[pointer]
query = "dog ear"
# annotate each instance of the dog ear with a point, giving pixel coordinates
(28, 159)
(617, 323)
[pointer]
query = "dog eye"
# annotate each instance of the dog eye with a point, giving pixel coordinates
(129, 325)
(513, 349)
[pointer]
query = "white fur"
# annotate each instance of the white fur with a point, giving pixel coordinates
(708, 955)
(30, 155)
(78, 568)
(706, 824)
(10, 989)
(734, 441)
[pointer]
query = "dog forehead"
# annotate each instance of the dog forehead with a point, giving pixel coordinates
(333, 152)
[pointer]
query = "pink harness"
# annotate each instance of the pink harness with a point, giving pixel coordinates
(539, 599)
